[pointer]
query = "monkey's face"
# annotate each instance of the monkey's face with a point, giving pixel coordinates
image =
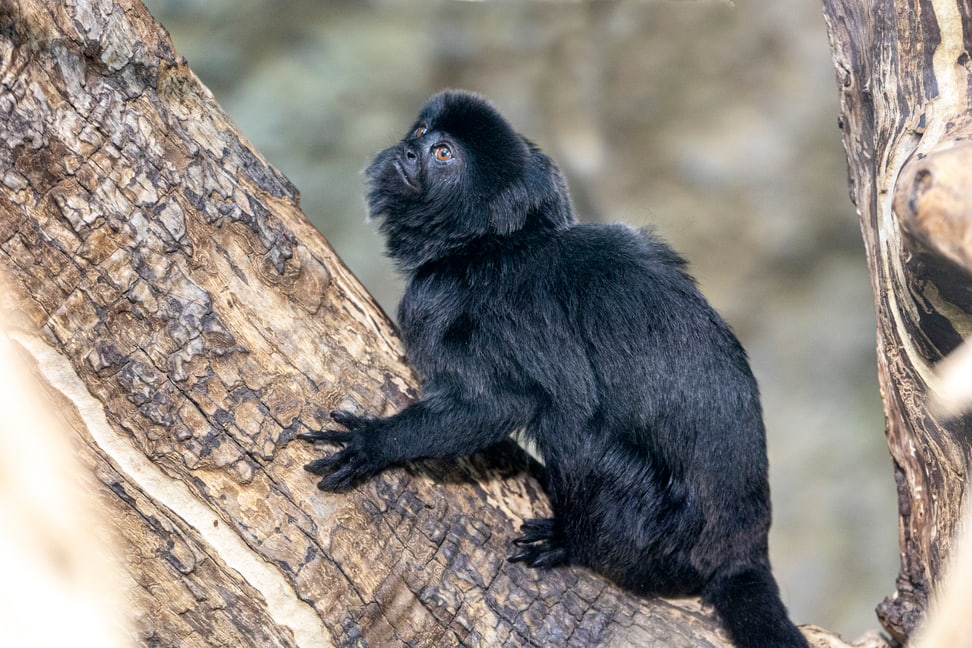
(424, 169)
(460, 174)
(416, 192)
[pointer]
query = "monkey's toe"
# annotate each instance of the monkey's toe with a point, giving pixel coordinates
(541, 544)
(543, 555)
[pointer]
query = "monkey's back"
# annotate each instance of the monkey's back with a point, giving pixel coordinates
(666, 364)
(676, 409)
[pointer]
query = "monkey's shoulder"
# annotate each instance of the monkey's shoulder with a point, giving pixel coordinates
(609, 270)
(597, 245)
(601, 264)
(588, 262)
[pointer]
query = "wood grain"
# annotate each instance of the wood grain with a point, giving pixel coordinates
(903, 72)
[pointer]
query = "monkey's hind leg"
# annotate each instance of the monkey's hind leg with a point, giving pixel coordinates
(541, 545)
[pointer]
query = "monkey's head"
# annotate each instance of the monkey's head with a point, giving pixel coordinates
(462, 176)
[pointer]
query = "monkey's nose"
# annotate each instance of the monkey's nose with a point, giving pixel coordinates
(410, 159)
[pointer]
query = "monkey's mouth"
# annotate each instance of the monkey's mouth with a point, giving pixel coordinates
(404, 176)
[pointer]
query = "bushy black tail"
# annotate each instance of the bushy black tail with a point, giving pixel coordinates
(749, 603)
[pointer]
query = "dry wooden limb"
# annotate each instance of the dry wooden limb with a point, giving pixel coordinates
(948, 622)
(903, 68)
(187, 321)
(933, 200)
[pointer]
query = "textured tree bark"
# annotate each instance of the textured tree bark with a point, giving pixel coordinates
(187, 322)
(903, 68)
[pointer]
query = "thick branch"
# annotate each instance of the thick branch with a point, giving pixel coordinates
(903, 71)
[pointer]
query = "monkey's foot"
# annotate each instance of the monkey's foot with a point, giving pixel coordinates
(541, 544)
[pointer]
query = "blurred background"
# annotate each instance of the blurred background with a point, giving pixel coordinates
(715, 122)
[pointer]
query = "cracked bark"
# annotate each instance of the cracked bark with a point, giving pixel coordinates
(187, 322)
(903, 70)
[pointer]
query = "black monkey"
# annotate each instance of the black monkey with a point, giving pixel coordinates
(593, 338)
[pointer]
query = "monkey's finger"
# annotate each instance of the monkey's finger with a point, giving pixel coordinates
(549, 557)
(339, 480)
(520, 556)
(327, 484)
(322, 465)
(530, 538)
(330, 436)
(347, 419)
(543, 526)
(544, 556)
(530, 556)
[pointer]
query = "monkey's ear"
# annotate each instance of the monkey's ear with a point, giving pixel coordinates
(538, 198)
(508, 210)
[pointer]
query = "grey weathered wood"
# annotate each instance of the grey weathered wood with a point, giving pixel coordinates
(903, 70)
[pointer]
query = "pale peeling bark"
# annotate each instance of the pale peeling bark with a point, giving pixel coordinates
(903, 68)
(187, 321)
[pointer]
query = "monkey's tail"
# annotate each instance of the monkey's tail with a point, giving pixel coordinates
(749, 603)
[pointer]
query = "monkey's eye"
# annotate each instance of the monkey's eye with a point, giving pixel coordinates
(442, 153)
(420, 131)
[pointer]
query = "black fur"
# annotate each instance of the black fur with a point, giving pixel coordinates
(596, 341)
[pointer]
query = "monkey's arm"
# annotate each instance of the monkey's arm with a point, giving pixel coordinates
(443, 424)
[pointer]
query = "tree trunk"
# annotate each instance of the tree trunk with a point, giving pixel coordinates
(903, 70)
(187, 322)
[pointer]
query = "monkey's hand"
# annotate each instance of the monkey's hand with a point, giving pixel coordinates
(356, 462)
(541, 544)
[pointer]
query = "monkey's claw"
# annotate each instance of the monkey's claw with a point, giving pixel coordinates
(541, 544)
(328, 436)
(351, 422)
(348, 420)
